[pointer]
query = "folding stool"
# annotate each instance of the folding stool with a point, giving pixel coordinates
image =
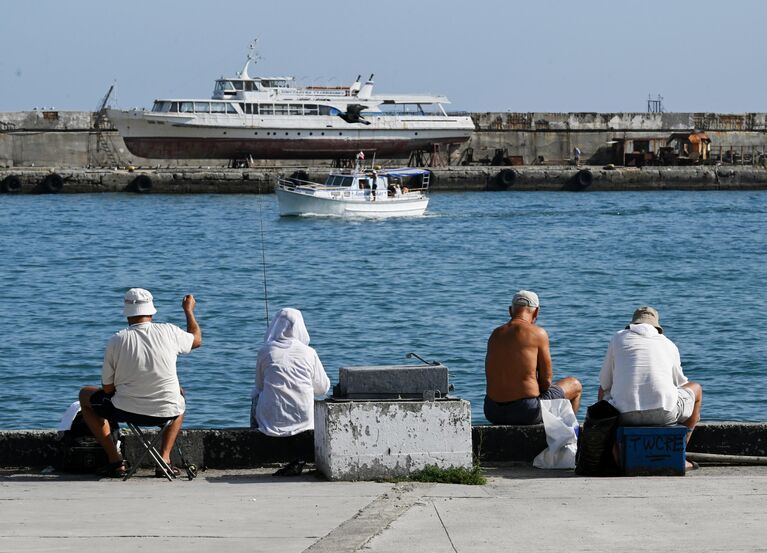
(135, 422)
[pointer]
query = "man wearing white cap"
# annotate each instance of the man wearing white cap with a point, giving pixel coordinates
(139, 375)
(518, 368)
(642, 377)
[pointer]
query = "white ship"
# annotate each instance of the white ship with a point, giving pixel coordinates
(357, 193)
(271, 118)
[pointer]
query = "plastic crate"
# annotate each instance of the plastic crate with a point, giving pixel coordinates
(652, 450)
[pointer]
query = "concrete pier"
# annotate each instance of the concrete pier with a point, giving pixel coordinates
(714, 509)
(262, 180)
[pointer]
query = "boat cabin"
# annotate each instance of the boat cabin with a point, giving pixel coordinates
(394, 181)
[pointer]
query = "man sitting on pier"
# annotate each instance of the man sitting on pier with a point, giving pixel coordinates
(642, 377)
(139, 375)
(518, 368)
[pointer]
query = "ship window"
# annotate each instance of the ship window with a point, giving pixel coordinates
(280, 109)
(158, 106)
(328, 110)
(295, 109)
(311, 109)
(250, 85)
(230, 108)
(266, 109)
(187, 107)
(224, 85)
(347, 181)
(174, 107)
(202, 107)
(217, 107)
(237, 85)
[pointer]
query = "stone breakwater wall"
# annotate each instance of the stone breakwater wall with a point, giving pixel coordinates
(262, 180)
(245, 448)
(72, 139)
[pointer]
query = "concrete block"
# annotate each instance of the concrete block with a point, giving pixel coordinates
(369, 440)
(391, 381)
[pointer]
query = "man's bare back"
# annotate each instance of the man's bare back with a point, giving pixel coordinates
(518, 368)
(518, 361)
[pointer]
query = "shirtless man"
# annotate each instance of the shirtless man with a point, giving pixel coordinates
(518, 368)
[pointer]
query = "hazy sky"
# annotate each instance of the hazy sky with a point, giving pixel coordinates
(537, 55)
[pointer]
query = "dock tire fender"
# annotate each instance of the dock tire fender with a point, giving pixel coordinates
(584, 178)
(299, 175)
(51, 184)
(10, 185)
(142, 184)
(505, 178)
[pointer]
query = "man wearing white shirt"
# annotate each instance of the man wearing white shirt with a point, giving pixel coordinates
(642, 377)
(138, 377)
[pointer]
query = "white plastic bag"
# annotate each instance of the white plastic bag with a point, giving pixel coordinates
(560, 424)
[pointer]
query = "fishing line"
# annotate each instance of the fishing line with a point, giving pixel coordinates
(263, 257)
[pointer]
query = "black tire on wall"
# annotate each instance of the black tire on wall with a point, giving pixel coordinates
(142, 184)
(583, 179)
(505, 178)
(10, 185)
(51, 184)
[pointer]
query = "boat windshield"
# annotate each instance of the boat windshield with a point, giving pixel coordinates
(339, 180)
(221, 86)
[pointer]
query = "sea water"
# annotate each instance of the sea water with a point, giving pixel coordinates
(373, 290)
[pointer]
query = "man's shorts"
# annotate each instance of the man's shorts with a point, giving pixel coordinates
(101, 402)
(685, 402)
(523, 411)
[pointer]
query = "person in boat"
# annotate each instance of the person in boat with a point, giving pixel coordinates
(518, 368)
(139, 377)
(289, 374)
(373, 185)
(642, 377)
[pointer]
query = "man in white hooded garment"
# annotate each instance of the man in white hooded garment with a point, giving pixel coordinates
(289, 375)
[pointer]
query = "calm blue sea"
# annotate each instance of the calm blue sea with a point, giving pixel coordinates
(373, 290)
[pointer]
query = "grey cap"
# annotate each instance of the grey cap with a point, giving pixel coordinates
(525, 298)
(647, 315)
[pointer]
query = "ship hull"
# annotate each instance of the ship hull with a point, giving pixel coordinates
(152, 135)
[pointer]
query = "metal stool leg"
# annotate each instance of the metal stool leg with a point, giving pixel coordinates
(150, 447)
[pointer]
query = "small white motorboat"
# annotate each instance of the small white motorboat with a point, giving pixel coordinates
(357, 193)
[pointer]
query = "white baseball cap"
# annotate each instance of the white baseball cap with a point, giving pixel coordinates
(525, 298)
(138, 302)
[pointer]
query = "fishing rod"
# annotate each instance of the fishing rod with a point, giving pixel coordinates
(263, 259)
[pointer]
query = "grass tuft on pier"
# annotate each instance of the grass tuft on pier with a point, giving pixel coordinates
(453, 475)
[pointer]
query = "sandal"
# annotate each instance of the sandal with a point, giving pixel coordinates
(118, 469)
(695, 466)
(294, 468)
(159, 473)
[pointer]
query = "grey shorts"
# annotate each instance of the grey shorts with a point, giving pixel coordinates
(682, 411)
(523, 411)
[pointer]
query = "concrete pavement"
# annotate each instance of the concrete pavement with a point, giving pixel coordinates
(520, 509)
